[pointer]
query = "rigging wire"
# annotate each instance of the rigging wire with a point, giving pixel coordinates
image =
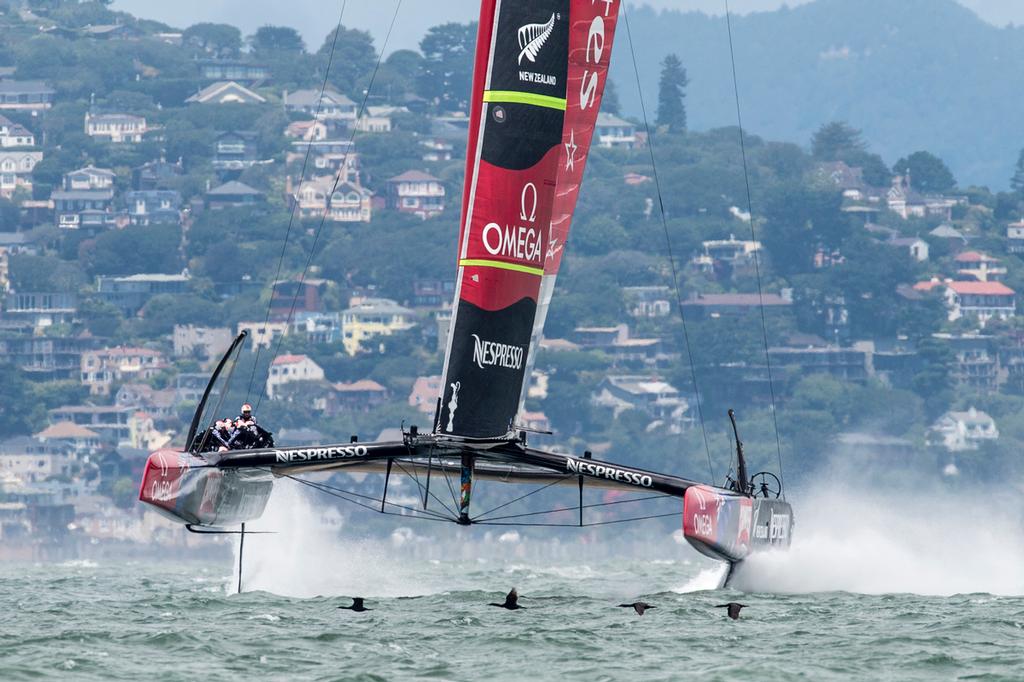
(753, 237)
(576, 508)
(343, 494)
(334, 188)
(295, 209)
(668, 243)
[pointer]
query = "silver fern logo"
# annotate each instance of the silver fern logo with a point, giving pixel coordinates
(532, 38)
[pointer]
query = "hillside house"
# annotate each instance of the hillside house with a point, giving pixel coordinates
(85, 199)
(659, 399)
(234, 194)
(159, 404)
(232, 70)
(907, 202)
(289, 368)
(235, 150)
(329, 154)
(14, 134)
(116, 128)
(16, 95)
(962, 431)
(982, 300)
(41, 309)
(153, 207)
(417, 193)
(330, 105)
(101, 369)
(16, 166)
(30, 460)
(226, 92)
(132, 292)
(614, 132)
(316, 326)
(308, 131)
(357, 396)
(979, 266)
(648, 301)
(369, 318)
(70, 437)
(714, 305)
(109, 421)
(263, 335)
(293, 296)
(349, 202)
(916, 247)
(206, 342)
(46, 358)
(1015, 237)
(156, 175)
(425, 391)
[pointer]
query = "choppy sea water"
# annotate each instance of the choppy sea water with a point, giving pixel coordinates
(83, 620)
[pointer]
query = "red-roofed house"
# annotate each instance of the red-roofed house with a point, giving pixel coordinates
(418, 193)
(979, 266)
(288, 368)
(983, 300)
(359, 395)
(77, 437)
(424, 394)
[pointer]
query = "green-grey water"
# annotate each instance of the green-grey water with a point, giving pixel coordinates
(181, 621)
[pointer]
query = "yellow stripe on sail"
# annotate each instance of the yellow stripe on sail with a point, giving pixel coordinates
(539, 272)
(513, 97)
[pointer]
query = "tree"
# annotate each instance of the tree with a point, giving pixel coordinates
(270, 39)
(928, 173)
(10, 216)
(610, 102)
(1017, 181)
(447, 74)
(220, 39)
(837, 141)
(149, 249)
(15, 403)
(354, 58)
(671, 93)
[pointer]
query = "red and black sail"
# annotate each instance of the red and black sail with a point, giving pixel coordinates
(527, 85)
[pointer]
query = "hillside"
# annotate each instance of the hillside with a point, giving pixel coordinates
(919, 74)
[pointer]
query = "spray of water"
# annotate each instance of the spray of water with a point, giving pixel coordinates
(940, 542)
(307, 556)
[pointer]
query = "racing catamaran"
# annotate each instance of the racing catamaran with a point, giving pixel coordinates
(540, 71)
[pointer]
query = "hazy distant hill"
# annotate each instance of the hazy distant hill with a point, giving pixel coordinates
(913, 74)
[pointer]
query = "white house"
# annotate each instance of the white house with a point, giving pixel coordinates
(14, 134)
(350, 202)
(288, 368)
(418, 193)
(961, 431)
(116, 128)
(612, 131)
(332, 104)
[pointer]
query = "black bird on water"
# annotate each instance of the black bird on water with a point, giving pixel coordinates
(511, 601)
(734, 609)
(357, 605)
(638, 606)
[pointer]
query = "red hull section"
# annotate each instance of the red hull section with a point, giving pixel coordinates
(187, 489)
(718, 523)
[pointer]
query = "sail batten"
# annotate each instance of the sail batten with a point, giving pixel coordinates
(540, 70)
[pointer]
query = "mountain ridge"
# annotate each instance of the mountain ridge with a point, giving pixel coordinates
(922, 74)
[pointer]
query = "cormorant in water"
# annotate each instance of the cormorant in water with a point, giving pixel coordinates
(734, 609)
(357, 605)
(511, 601)
(638, 606)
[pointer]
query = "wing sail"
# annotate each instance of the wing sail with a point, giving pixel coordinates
(540, 70)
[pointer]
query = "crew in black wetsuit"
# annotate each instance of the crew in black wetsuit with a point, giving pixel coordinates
(251, 434)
